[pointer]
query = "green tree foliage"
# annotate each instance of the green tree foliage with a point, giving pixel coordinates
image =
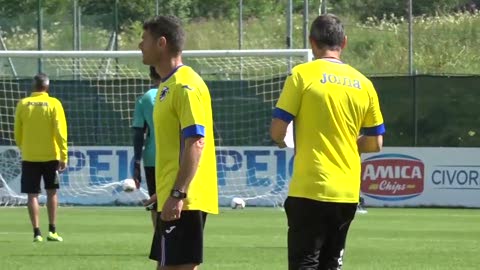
(101, 13)
(399, 8)
(230, 9)
(23, 14)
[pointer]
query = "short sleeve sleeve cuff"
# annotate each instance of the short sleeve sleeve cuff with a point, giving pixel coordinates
(374, 131)
(138, 120)
(193, 130)
(282, 115)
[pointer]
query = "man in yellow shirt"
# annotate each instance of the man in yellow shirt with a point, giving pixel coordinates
(185, 165)
(41, 136)
(331, 104)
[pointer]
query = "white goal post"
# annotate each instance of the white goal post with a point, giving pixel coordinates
(98, 90)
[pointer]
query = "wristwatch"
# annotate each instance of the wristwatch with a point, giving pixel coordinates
(177, 194)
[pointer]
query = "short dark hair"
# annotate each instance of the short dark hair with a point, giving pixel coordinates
(169, 27)
(153, 74)
(41, 81)
(327, 31)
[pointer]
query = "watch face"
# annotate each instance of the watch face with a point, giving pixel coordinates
(178, 194)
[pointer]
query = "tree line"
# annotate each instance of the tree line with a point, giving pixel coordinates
(14, 14)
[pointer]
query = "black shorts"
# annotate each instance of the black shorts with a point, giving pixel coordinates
(150, 176)
(32, 173)
(180, 241)
(317, 232)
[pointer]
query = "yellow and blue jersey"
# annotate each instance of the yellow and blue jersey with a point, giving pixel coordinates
(41, 128)
(182, 110)
(143, 117)
(330, 103)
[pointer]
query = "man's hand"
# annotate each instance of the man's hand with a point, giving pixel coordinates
(172, 209)
(137, 174)
(61, 166)
(281, 145)
(151, 200)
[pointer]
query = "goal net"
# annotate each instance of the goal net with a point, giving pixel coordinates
(98, 90)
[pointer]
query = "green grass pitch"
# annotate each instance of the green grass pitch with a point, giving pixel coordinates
(250, 239)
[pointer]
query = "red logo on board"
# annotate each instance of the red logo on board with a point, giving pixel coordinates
(392, 177)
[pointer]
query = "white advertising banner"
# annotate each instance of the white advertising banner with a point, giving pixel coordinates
(401, 176)
(94, 174)
(93, 177)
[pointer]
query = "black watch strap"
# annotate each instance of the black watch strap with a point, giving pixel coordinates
(177, 194)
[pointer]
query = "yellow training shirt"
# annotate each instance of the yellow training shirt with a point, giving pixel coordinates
(183, 109)
(41, 128)
(329, 102)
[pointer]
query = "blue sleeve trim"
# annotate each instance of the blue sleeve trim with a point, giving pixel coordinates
(193, 130)
(283, 115)
(374, 131)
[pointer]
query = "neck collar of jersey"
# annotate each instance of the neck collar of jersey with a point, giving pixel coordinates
(333, 60)
(37, 93)
(171, 73)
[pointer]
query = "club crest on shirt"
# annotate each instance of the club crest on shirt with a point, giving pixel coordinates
(164, 93)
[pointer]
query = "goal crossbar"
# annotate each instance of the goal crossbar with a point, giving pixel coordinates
(131, 54)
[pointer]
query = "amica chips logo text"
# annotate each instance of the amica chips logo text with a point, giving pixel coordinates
(392, 177)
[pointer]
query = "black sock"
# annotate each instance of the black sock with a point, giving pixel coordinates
(51, 228)
(36, 232)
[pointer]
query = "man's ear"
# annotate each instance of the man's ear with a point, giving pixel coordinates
(313, 46)
(344, 43)
(312, 43)
(162, 42)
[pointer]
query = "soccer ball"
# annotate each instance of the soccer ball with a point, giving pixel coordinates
(128, 185)
(237, 203)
